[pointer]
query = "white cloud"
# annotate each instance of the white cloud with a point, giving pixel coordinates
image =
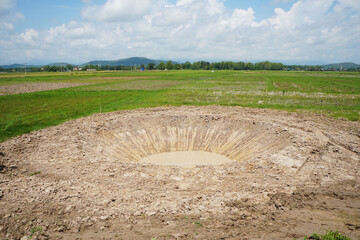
(6, 6)
(214, 7)
(348, 4)
(118, 10)
(30, 35)
(195, 30)
(241, 17)
(6, 26)
(87, 1)
(302, 12)
(184, 2)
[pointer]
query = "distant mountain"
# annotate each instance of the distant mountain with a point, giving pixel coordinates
(344, 65)
(58, 64)
(126, 62)
(18, 66)
(121, 62)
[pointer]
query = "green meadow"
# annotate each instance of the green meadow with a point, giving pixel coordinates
(336, 94)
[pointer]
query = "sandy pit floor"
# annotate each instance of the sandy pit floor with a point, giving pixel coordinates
(186, 159)
(289, 175)
(36, 87)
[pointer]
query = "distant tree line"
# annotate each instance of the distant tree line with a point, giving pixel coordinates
(199, 65)
(228, 65)
(318, 68)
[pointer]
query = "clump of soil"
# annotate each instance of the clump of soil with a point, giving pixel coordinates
(290, 175)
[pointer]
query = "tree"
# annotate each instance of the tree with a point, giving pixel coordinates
(217, 66)
(267, 65)
(51, 68)
(32, 69)
(249, 66)
(195, 66)
(277, 66)
(169, 65)
(204, 65)
(228, 65)
(151, 66)
(186, 65)
(161, 66)
(259, 66)
(69, 67)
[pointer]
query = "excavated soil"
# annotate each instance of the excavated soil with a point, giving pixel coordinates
(36, 87)
(290, 175)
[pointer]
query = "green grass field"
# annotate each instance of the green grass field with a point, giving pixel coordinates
(333, 93)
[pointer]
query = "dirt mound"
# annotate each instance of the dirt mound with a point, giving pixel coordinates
(291, 175)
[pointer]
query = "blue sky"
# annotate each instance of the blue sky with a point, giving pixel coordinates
(43, 14)
(76, 31)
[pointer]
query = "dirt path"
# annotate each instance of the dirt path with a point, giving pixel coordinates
(292, 175)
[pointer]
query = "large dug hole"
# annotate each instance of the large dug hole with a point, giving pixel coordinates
(255, 174)
(192, 142)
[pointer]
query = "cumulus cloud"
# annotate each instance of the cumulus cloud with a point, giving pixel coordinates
(70, 31)
(118, 10)
(30, 35)
(214, 7)
(348, 4)
(321, 30)
(184, 2)
(241, 17)
(301, 13)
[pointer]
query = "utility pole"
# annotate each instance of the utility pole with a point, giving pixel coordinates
(25, 68)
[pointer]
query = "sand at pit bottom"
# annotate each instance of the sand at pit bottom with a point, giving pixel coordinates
(186, 158)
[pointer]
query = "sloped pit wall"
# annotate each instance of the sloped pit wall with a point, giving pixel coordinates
(237, 140)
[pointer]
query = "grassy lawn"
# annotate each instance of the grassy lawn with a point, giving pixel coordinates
(332, 93)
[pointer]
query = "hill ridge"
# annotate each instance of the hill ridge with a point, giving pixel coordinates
(344, 65)
(125, 62)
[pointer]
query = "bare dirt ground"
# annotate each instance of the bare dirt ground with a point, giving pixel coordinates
(36, 87)
(292, 174)
(124, 78)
